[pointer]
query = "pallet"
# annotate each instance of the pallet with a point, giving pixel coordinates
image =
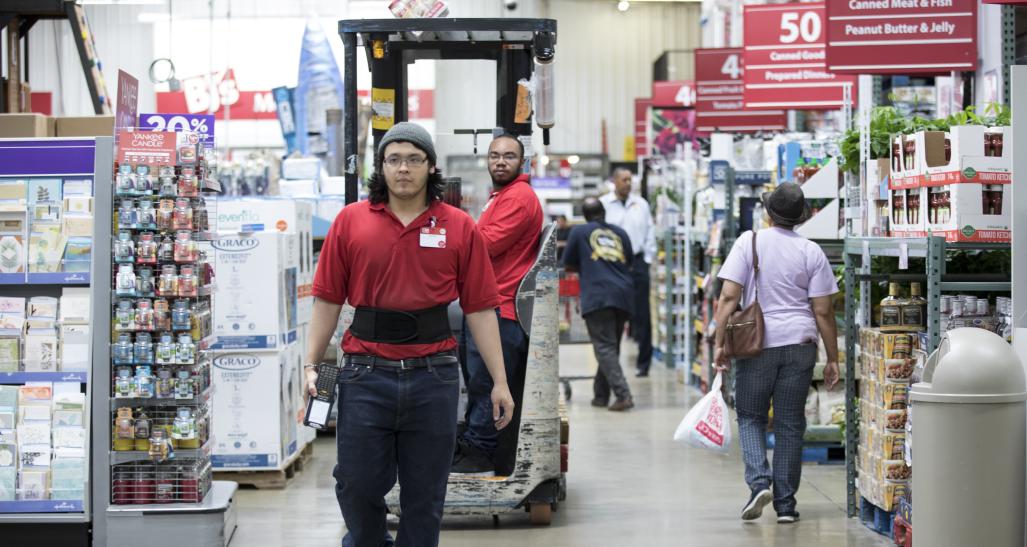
(903, 532)
(270, 479)
(875, 518)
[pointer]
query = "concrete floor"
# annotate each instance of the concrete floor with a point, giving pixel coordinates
(628, 484)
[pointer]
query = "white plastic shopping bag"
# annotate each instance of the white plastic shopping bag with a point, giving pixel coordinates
(707, 424)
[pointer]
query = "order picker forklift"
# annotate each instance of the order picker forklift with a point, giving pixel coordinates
(532, 457)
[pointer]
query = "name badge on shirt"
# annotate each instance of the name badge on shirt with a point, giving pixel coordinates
(433, 238)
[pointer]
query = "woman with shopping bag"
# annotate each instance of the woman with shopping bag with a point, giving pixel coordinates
(785, 284)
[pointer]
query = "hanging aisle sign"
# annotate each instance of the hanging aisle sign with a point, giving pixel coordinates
(719, 103)
(784, 59)
(901, 36)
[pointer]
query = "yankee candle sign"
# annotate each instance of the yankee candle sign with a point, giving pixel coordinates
(901, 36)
(785, 59)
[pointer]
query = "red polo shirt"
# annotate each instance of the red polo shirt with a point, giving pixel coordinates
(370, 259)
(511, 222)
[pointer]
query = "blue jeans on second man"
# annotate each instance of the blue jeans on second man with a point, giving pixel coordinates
(641, 322)
(395, 422)
(784, 375)
(481, 430)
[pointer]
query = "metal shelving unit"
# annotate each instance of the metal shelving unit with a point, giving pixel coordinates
(858, 254)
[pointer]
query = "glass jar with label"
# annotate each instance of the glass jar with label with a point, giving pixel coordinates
(144, 320)
(123, 383)
(126, 215)
(122, 350)
(181, 316)
(184, 426)
(124, 247)
(187, 281)
(184, 385)
(143, 348)
(124, 425)
(144, 382)
(144, 181)
(186, 249)
(164, 385)
(146, 251)
(159, 444)
(891, 310)
(125, 282)
(186, 350)
(145, 282)
(167, 187)
(166, 349)
(168, 283)
(165, 214)
(146, 215)
(188, 183)
(142, 426)
(166, 251)
(183, 216)
(124, 317)
(161, 314)
(126, 185)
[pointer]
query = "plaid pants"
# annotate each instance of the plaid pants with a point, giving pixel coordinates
(784, 375)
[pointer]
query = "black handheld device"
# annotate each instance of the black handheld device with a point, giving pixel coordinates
(319, 407)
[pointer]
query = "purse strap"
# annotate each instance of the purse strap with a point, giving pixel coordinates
(755, 268)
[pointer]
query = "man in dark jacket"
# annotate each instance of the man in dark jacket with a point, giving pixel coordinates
(601, 253)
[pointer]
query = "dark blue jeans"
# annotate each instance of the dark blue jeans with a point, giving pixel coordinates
(481, 428)
(641, 323)
(393, 422)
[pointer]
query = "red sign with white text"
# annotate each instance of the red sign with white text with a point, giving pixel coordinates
(719, 102)
(673, 94)
(152, 148)
(785, 62)
(901, 36)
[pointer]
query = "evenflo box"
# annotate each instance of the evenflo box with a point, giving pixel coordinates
(255, 301)
(285, 215)
(249, 430)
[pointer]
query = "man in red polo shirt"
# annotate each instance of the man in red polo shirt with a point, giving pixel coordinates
(510, 224)
(400, 259)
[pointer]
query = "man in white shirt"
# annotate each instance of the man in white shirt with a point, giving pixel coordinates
(631, 213)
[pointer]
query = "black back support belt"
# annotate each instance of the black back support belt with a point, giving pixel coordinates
(383, 326)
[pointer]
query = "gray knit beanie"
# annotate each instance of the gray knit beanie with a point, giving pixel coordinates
(411, 133)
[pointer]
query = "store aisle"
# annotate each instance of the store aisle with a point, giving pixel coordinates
(628, 484)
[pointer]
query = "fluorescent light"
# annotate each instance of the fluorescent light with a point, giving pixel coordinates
(623, 5)
(573, 159)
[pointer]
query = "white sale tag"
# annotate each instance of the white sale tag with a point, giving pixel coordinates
(433, 238)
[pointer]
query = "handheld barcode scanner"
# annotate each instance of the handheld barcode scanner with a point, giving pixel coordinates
(319, 407)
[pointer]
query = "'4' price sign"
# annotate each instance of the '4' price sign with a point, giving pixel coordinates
(719, 99)
(785, 59)
(673, 94)
(197, 123)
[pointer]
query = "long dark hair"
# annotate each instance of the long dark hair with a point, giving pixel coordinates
(378, 189)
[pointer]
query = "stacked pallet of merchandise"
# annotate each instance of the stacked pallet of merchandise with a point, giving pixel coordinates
(886, 364)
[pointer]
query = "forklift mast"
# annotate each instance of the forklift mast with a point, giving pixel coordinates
(393, 44)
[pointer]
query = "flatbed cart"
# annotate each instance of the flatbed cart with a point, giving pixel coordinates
(533, 479)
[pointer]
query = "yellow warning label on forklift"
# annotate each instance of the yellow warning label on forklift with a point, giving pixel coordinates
(383, 108)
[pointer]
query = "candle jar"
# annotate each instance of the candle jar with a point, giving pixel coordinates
(166, 181)
(145, 284)
(186, 350)
(164, 384)
(124, 316)
(124, 425)
(184, 386)
(166, 350)
(126, 215)
(144, 382)
(146, 251)
(183, 216)
(165, 214)
(126, 181)
(181, 316)
(188, 183)
(161, 314)
(143, 349)
(186, 249)
(122, 350)
(144, 181)
(187, 281)
(159, 444)
(168, 283)
(146, 216)
(123, 383)
(142, 426)
(166, 249)
(125, 282)
(184, 426)
(124, 247)
(144, 316)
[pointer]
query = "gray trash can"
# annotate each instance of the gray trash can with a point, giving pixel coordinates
(970, 432)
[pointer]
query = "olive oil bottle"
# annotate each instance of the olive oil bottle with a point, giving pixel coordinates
(914, 310)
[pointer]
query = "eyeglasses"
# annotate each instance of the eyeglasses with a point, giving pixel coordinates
(411, 161)
(509, 157)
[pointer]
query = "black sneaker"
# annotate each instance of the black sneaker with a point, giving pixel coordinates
(788, 517)
(600, 403)
(759, 499)
(641, 373)
(472, 462)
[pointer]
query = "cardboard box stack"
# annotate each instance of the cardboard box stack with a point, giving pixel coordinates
(954, 184)
(31, 125)
(886, 365)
